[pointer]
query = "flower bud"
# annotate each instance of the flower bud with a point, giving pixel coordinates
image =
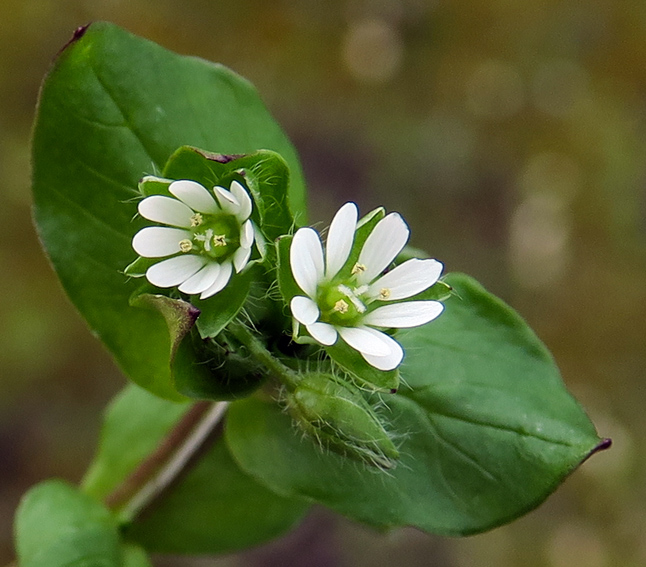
(335, 413)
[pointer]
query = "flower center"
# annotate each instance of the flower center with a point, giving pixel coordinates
(340, 305)
(216, 236)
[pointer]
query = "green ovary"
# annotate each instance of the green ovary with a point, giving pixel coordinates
(215, 236)
(339, 305)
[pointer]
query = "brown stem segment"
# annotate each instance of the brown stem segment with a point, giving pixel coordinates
(168, 461)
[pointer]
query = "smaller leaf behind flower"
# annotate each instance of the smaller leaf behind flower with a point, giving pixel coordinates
(264, 173)
(179, 315)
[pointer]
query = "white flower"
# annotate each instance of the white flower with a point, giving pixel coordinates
(207, 235)
(352, 302)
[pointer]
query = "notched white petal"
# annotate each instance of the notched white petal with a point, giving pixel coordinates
(388, 362)
(224, 275)
(202, 280)
(340, 238)
(194, 195)
(174, 271)
(304, 310)
(406, 280)
(246, 234)
(323, 333)
(166, 210)
(242, 196)
(227, 200)
(365, 340)
(306, 260)
(158, 241)
(240, 258)
(381, 247)
(404, 315)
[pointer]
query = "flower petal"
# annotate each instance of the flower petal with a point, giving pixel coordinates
(166, 210)
(340, 239)
(224, 275)
(406, 280)
(323, 333)
(365, 340)
(306, 260)
(240, 258)
(202, 280)
(241, 194)
(382, 246)
(304, 310)
(390, 361)
(404, 315)
(246, 234)
(174, 271)
(158, 241)
(194, 195)
(227, 201)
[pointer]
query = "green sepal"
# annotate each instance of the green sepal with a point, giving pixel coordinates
(152, 185)
(286, 282)
(220, 309)
(139, 267)
(335, 414)
(367, 375)
(439, 291)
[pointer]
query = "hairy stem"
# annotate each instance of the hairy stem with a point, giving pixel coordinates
(258, 351)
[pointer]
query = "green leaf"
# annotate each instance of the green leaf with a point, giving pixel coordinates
(135, 556)
(57, 526)
(114, 108)
(485, 425)
(135, 422)
(220, 309)
(214, 508)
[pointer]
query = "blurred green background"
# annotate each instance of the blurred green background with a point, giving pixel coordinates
(510, 134)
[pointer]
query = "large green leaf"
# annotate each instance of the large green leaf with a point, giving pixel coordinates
(214, 508)
(57, 526)
(113, 108)
(485, 426)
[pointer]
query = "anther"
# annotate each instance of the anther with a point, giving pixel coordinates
(384, 293)
(219, 240)
(196, 220)
(358, 268)
(185, 245)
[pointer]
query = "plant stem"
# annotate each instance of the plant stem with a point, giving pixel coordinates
(258, 351)
(163, 466)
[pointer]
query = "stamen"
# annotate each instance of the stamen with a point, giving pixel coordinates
(384, 293)
(341, 306)
(196, 220)
(345, 290)
(185, 245)
(219, 240)
(358, 268)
